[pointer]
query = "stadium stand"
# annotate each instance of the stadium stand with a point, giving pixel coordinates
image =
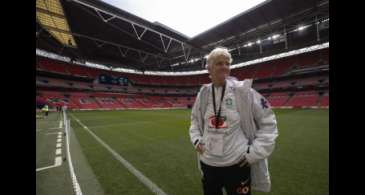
(278, 99)
(303, 99)
(98, 98)
(269, 69)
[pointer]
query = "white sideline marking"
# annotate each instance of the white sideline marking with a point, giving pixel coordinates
(57, 163)
(59, 140)
(75, 183)
(51, 133)
(58, 151)
(44, 168)
(59, 145)
(60, 126)
(147, 182)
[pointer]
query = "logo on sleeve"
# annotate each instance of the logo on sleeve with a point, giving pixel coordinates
(264, 103)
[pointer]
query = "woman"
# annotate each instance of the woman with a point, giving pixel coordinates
(233, 130)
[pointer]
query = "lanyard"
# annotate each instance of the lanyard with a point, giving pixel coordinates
(217, 116)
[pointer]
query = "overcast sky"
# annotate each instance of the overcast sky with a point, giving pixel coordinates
(189, 17)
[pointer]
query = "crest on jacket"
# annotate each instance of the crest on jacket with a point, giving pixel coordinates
(229, 103)
(221, 123)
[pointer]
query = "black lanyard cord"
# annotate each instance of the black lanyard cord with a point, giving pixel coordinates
(217, 116)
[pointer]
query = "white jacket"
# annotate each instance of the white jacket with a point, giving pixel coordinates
(258, 122)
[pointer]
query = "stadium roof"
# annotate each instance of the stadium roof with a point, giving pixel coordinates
(265, 17)
(108, 35)
(50, 14)
(189, 17)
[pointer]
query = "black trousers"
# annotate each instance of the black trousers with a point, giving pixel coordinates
(234, 179)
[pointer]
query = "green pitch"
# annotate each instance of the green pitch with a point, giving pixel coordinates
(157, 144)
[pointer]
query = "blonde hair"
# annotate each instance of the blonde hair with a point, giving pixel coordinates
(215, 53)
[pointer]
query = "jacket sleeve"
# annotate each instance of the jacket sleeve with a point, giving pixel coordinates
(266, 129)
(195, 130)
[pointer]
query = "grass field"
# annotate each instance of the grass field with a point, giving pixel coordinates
(157, 144)
(52, 180)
